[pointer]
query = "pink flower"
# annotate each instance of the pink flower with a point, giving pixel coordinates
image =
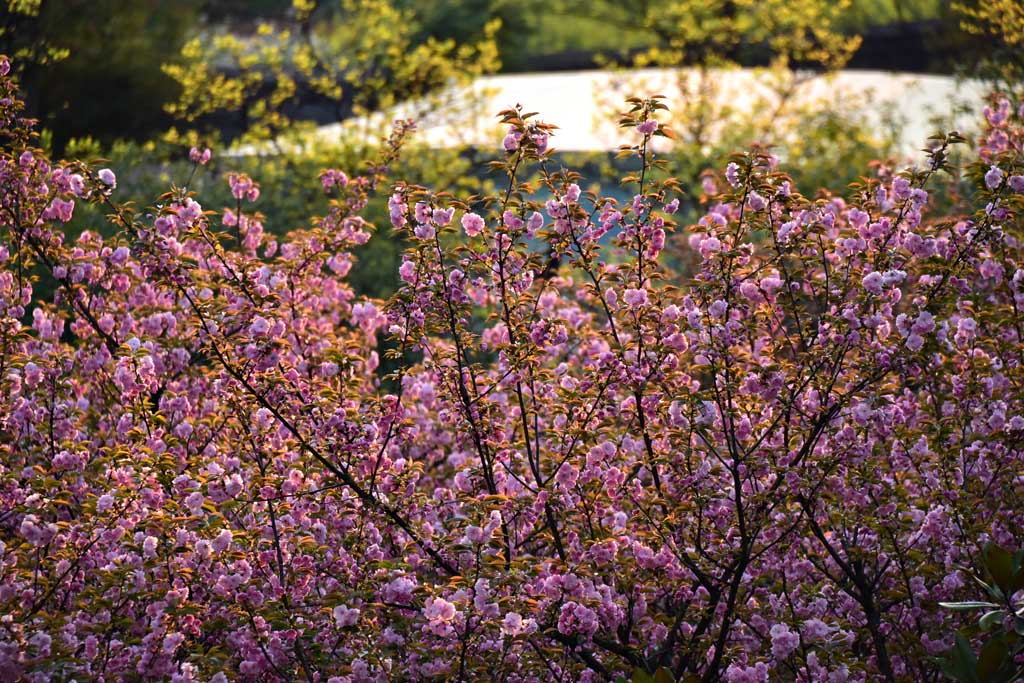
(540, 141)
(785, 230)
(473, 224)
(635, 298)
(873, 282)
(200, 157)
(243, 187)
(41, 643)
(575, 618)
(233, 485)
(400, 590)
(333, 177)
(901, 187)
(475, 535)
(439, 609)
(442, 217)
(366, 316)
(345, 616)
(259, 326)
(858, 218)
(513, 624)
(993, 177)
(567, 475)
(171, 643)
(33, 373)
(737, 673)
(732, 174)
(511, 141)
(647, 127)
(535, 222)
(784, 641)
(396, 210)
(407, 271)
(194, 502)
(35, 532)
(816, 630)
(107, 177)
(222, 541)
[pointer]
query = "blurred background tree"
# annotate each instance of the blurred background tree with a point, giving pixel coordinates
(92, 67)
(321, 62)
(993, 31)
(22, 37)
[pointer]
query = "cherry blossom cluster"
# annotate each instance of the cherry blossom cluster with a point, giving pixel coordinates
(763, 446)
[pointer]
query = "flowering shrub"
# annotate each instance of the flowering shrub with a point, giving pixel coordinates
(585, 466)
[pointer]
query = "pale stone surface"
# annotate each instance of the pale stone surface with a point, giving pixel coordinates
(925, 103)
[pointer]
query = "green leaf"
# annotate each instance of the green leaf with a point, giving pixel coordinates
(1000, 565)
(991, 619)
(960, 663)
(967, 605)
(993, 657)
(1018, 576)
(641, 676)
(991, 590)
(663, 675)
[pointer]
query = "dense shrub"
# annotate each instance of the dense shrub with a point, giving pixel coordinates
(586, 467)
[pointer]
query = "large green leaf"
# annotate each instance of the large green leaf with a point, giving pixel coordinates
(1000, 564)
(960, 664)
(991, 619)
(968, 605)
(993, 659)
